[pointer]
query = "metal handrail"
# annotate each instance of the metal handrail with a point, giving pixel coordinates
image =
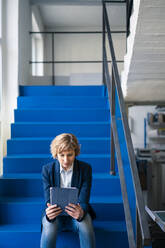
(115, 137)
(73, 62)
(137, 188)
(77, 32)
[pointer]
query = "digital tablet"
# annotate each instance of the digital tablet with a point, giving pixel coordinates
(63, 196)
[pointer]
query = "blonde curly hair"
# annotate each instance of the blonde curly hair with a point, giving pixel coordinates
(64, 142)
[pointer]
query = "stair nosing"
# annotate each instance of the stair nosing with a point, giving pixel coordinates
(47, 138)
(47, 155)
(63, 108)
(62, 122)
(120, 226)
(111, 199)
(38, 176)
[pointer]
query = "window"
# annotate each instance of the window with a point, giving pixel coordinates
(37, 49)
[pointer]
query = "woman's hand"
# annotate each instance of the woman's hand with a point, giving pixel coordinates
(52, 211)
(74, 211)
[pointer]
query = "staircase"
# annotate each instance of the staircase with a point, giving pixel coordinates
(44, 112)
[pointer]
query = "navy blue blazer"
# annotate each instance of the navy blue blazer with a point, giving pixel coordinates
(81, 179)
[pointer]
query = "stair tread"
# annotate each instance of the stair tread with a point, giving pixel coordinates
(47, 138)
(56, 108)
(106, 225)
(63, 122)
(22, 200)
(40, 200)
(106, 199)
(38, 176)
(65, 96)
(49, 156)
(111, 225)
(20, 228)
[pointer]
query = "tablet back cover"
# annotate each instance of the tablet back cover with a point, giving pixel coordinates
(63, 196)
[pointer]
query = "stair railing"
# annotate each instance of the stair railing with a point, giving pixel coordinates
(53, 60)
(115, 92)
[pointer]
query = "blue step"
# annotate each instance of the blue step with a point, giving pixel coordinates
(66, 102)
(50, 129)
(27, 163)
(111, 234)
(62, 90)
(20, 236)
(107, 233)
(30, 185)
(56, 115)
(42, 145)
(31, 209)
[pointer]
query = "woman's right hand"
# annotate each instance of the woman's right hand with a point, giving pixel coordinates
(52, 211)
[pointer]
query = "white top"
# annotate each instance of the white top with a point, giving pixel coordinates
(66, 177)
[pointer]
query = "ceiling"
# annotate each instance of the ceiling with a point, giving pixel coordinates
(80, 15)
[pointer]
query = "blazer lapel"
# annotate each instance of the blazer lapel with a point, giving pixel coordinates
(56, 174)
(75, 176)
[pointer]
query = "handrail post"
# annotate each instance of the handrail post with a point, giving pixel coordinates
(112, 170)
(53, 73)
(129, 5)
(103, 43)
(138, 232)
(127, 17)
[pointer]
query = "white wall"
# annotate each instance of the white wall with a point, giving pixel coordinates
(9, 67)
(137, 114)
(24, 41)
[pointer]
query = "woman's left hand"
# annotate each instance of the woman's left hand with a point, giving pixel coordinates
(74, 211)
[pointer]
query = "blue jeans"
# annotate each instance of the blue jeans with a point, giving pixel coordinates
(67, 223)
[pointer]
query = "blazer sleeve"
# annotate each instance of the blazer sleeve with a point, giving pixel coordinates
(46, 184)
(85, 188)
(46, 188)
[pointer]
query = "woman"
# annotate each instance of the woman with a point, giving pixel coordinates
(67, 171)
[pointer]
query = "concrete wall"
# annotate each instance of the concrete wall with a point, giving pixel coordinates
(24, 41)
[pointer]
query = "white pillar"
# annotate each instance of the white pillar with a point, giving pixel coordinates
(9, 69)
(25, 26)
